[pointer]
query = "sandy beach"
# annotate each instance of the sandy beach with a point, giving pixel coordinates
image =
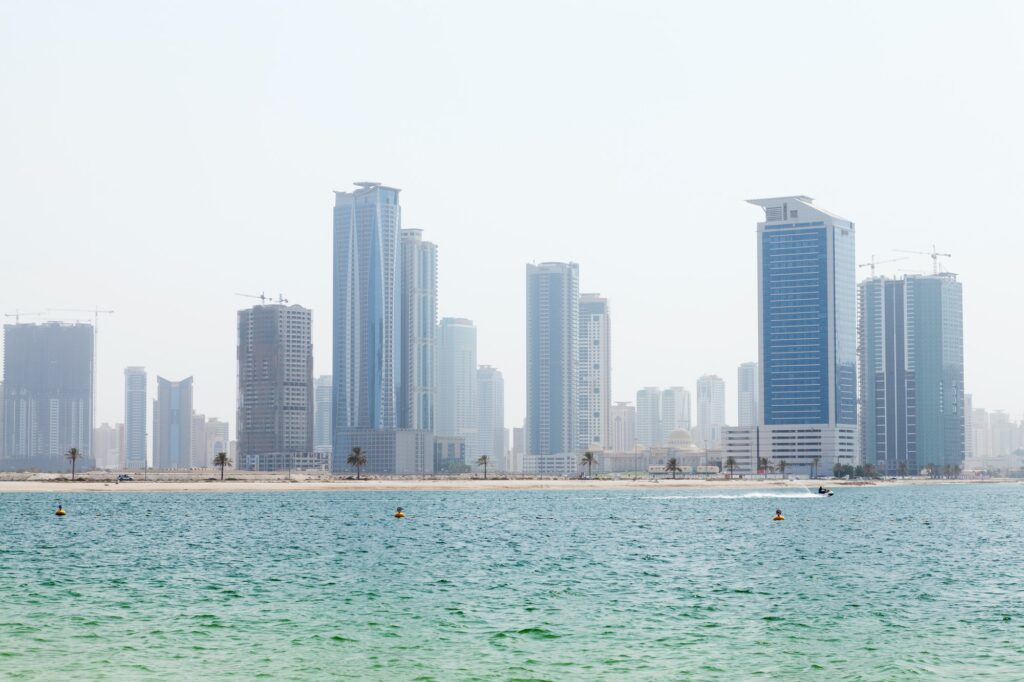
(256, 483)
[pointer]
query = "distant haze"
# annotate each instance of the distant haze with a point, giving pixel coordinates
(158, 157)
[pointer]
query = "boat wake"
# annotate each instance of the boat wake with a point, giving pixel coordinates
(741, 496)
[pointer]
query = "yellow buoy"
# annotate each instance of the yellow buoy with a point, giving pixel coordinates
(778, 518)
(61, 512)
(399, 514)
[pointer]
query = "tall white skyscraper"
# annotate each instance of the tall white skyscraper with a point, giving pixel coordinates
(135, 456)
(747, 394)
(675, 410)
(455, 413)
(623, 427)
(648, 417)
(552, 358)
(322, 431)
(490, 416)
(710, 411)
(417, 388)
(595, 373)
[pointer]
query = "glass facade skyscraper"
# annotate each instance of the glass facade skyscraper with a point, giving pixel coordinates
(384, 309)
(367, 361)
(552, 351)
(135, 403)
(912, 373)
(807, 331)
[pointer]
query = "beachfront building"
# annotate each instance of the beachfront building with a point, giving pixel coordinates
(746, 395)
(456, 409)
(490, 418)
(417, 383)
(372, 394)
(710, 411)
(552, 372)
(648, 417)
(322, 395)
(675, 410)
(48, 395)
(275, 384)
(594, 388)
(623, 427)
(135, 403)
(172, 424)
(107, 441)
(807, 336)
(912, 373)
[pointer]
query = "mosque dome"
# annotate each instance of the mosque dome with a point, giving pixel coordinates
(680, 439)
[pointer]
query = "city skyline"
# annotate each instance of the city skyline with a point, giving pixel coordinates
(680, 284)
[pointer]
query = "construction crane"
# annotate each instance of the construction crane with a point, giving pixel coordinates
(872, 263)
(264, 298)
(934, 256)
(96, 312)
(17, 315)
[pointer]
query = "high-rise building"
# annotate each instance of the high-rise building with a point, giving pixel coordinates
(552, 351)
(912, 372)
(172, 424)
(807, 306)
(106, 445)
(675, 411)
(623, 427)
(710, 411)
(648, 417)
(198, 449)
(969, 442)
(372, 390)
(3, 443)
(275, 384)
(490, 416)
(746, 394)
(323, 437)
(456, 381)
(366, 308)
(135, 455)
(218, 439)
(48, 394)
(417, 386)
(595, 383)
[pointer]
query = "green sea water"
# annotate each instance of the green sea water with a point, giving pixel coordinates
(916, 582)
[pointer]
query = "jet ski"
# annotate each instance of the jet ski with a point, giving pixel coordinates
(824, 491)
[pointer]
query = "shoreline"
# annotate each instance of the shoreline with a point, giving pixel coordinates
(249, 485)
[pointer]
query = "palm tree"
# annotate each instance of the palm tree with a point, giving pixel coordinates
(730, 463)
(357, 459)
(903, 469)
(782, 467)
(483, 461)
(222, 460)
(672, 466)
(589, 459)
(762, 464)
(73, 454)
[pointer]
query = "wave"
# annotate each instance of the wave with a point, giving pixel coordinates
(741, 496)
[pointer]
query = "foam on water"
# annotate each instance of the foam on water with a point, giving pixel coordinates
(740, 496)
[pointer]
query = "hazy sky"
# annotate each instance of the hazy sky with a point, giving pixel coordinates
(156, 157)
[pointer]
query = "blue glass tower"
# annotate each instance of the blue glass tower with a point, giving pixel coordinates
(807, 328)
(552, 348)
(912, 373)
